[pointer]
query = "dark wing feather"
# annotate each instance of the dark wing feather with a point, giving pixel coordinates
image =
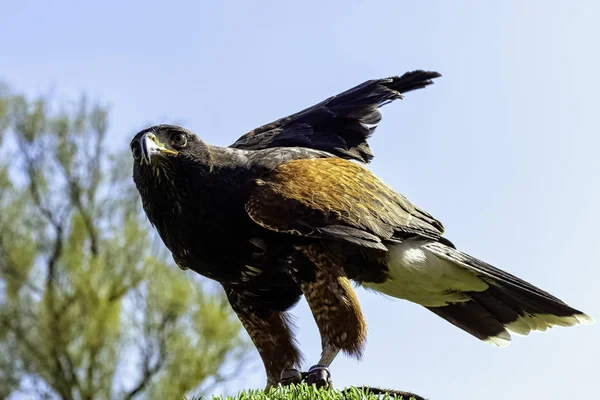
(336, 199)
(340, 124)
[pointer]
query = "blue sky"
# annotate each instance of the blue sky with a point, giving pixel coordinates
(503, 149)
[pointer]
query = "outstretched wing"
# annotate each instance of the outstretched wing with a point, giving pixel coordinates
(338, 199)
(340, 124)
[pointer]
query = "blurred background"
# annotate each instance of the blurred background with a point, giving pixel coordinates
(503, 149)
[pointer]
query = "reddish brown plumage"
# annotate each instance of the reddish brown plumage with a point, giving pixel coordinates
(272, 335)
(334, 305)
(303, 196)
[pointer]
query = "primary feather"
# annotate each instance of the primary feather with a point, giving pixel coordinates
(340, 124)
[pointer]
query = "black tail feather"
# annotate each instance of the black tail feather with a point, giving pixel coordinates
(471, 317)
(491, 314)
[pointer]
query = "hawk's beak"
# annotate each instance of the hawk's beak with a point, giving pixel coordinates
(151, 146)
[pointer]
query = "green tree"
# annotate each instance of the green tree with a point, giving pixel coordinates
(91, 305)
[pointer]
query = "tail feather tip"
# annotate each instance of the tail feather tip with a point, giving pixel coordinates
(584, 319)
(542, 322)
(524, 326)
(502, 339)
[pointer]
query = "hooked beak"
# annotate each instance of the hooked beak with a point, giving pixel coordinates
(151, 146)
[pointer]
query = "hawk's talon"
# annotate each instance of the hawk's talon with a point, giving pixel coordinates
(291, 376)
(319, 376)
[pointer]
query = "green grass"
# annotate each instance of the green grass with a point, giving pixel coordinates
(305, 392)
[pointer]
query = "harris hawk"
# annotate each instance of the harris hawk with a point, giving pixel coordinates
(290, 210)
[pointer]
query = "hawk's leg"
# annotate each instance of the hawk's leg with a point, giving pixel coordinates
(336, 311)
(271, 333)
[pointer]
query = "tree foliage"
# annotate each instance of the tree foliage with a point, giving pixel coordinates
(91, 305)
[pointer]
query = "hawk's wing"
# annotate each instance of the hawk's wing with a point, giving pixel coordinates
(337, 199)
(340, 124)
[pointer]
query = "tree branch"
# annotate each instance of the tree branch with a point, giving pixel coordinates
(66, 377)
(151, 371)
(87, 219)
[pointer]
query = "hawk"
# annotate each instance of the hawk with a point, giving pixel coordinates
(290, 210)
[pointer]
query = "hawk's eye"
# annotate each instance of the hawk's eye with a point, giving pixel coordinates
(136, 150)
(178, 139)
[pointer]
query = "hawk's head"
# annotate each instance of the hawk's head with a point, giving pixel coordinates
(163, 148)
(165, 156)
(163, 144)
